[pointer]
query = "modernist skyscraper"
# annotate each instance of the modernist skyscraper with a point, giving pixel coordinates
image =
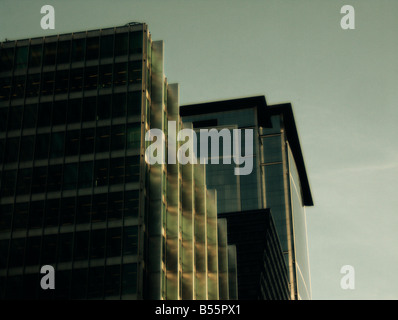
(278, 182)
(76, 191)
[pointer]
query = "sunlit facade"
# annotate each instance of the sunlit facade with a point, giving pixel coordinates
(278, 180)
(76, 192)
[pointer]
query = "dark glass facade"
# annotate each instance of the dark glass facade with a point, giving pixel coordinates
(70, 110)
(262, 272)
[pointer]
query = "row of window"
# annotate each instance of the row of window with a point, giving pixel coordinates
(67, 51)
(70, 143)
(70, 111)
(74, 80)
(70, 176)
(65, 247)
(67, 211)
(92, 283)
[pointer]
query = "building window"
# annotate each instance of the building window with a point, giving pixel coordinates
(15, 118)
(104, 107)
(6, 59)
(47, 87)
(42, 144)
(39, 179)
(136, 42)
(62, 80)
(106, 46)
(92, 48)
(78, 49)
(54, 182)
(121, 44)
(35, 56)
(24, 181)
(21, 57)
(70, 176)
(102, 139)
(51, 216)
(8, 183)
(50, 50)
(63, 55)
(129, 283)
(86, 174)
(57, 145)
(72, 143)
(113, 242)
(119, 105)
(74, 111)
(89, 109)
(30, 116)
(12, 147)
(87, 141)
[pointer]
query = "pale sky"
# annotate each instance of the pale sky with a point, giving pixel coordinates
(343, 85)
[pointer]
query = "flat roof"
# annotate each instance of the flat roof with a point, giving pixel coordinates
(264, 113)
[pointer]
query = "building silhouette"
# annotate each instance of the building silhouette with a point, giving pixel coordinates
(278, 182)
(76, 192)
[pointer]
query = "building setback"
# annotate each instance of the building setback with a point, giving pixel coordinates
(76, 192)
(278, 180)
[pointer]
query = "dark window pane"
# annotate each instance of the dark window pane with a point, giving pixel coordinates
(131, 204)
(97, 250)
(36, 214)
(17, 252)
(24, 181)
(115, 208)
(62, 81)
(52, 213)
(132, 169)
(54, 178)
(20, 216)
(121, 44)
(4, 253)
(59, 113)
(118, 137)
(130, 241)
(33, 251)
(65, 247)
(136, 42)
(135, 71)
(83, 209)
(85, 174)
(18, 89)
(119, 105)
(76, 80)
(74, 111)
(15, 118)
(6, 59)
(87, 141)
(105, 76)
(47, 83)
(14, 287)
(79, 283)
(5, 88)
(134, 136)
(49, 250)
(2, 148)
(30, 116)
(39, 179)
(134, 103)
(91, 78)
(92, 48)
(21, 57)
(35, 55)
(5, 217)
(89, 108)
(12, 147)
(96, 283)
(72, 143)
(64, 284)
(120, 74)
(104, 107)
(101, 172)
(42, 144)
(3, 119)
(81, 245)
(27, 148)
(44, 119)
(63, 54)
(102, 139)
(8, 183)
(49, 53)
(129, 283)
(70, 176)
(113, 242)
(99, 209)
(116, 174)
(33, 85)
(68, 206)
(57, 144)
(78, 49)
(106, 46)
(112, 281)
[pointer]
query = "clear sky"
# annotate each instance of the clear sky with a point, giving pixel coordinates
(343, 85)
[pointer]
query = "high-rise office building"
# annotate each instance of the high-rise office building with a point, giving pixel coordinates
(278, 179)
(76, 191)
